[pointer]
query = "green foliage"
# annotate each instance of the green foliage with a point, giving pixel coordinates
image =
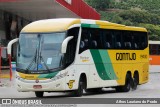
(107, 15)
(117, 19)
(99, 4)
(153, 6)
(140, 17)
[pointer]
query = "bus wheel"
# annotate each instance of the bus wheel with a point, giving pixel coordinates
(119, 88)
(79, 91)
(39, 94)
(127, 85)
(135, 80)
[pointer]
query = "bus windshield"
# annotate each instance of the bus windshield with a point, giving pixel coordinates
(40, 53)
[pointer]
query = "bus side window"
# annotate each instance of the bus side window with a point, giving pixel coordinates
(107, 39)
(128, 45)
(154, 49)
(93, 44)
(95, 39)
(82, 45)
(137, 40)
(128, 42)
(107, 45)
(118, 40)
(145, 40)
(158, 49)
(135, 46)
(118, 45)
(133, 41)
(85, 40)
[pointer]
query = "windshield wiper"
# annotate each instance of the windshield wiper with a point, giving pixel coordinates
(45, 63)
(33, 60)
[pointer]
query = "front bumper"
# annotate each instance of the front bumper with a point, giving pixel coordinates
(47, 85)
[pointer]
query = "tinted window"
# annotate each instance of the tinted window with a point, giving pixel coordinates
(93, 38)
(71, 48)
(154, 49)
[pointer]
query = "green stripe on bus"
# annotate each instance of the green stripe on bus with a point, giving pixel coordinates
(90, 25)
(99, 65)
(103, 64)
(107, 64)
(50, 75)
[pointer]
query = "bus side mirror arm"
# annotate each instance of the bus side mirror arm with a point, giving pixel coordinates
(9, 46)
(65, 43)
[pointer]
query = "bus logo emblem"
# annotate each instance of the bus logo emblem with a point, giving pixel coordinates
(37, 81)
(70, 84)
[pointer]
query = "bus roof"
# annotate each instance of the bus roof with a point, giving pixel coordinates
(154, 42)
(62, 24)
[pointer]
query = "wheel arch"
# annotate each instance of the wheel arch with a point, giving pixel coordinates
(84, 78)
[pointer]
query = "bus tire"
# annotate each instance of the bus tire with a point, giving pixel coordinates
(135, 80)
(119, 88)
(127, 86)
(39, 94)
(79, 91)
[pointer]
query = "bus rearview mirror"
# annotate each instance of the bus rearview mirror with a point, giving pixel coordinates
(65, 43)
(9, 46)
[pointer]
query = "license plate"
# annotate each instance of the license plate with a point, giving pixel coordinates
(37, 86)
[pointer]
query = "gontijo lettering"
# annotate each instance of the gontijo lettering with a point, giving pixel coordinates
(125, 56)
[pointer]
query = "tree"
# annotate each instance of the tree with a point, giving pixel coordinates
(99, 4)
